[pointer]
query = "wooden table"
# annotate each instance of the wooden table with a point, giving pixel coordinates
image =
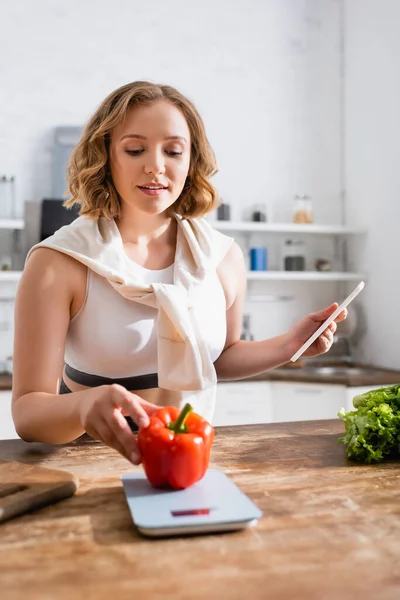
(330, 530)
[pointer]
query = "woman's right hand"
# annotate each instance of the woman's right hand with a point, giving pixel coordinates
(103, 412)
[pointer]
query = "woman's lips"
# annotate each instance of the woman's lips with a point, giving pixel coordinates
(152, 191)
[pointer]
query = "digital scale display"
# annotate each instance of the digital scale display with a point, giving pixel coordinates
(191, 512)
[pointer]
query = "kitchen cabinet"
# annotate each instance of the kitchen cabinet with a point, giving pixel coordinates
(243, 403)
(294, 401)
(7, 429)
(251, 402)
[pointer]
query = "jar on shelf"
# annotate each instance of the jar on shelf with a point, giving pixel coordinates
(259, 213)
(303, 212)
(7, 199)
(224, 212)
(294, 256)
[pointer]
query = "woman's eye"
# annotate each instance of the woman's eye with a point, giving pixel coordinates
(139, 151)
(134, 152)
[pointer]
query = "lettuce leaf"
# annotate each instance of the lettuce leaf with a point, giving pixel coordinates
(389, 394)
(372, 431)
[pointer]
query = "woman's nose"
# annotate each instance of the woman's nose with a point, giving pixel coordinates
(154, 164)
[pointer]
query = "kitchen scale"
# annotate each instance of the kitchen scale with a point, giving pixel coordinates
(212, 504)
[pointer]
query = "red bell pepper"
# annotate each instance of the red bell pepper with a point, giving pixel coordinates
(175, 447)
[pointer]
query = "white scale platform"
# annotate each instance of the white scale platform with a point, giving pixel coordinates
(213, 504)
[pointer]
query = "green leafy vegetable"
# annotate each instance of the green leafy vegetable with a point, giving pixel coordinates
(372, 431)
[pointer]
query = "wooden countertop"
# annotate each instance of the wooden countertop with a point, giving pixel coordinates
(370, 375)
(330, 528)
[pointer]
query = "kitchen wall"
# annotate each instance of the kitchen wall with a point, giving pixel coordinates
(372, 153)
(265, 74)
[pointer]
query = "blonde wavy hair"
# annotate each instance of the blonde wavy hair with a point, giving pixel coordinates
(89, 177)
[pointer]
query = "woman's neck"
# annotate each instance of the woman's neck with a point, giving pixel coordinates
(146, 229)
(149, 240)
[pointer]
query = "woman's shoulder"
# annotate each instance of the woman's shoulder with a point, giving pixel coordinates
(215, 244)
(232, 273)
(233, 260)
(43, 258)
(55, 278)
(54, 266)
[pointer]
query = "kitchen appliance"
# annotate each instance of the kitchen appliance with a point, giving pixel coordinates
(54, 215)
(66, 138)
(212, 504)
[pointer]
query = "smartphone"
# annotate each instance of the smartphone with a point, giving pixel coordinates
(328, 321)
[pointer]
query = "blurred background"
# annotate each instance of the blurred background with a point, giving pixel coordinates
(300, 100)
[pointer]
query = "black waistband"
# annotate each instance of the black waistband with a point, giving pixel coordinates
(140, 382)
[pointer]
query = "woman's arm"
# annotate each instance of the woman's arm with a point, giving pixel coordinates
(51, 290)
(42, 314)
(240, 358)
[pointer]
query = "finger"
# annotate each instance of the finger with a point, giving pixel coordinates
(149, 407)
(104, 433)
(325, 343)
(128, 402)
(325, 313)
(119, 448)
(322, 315)
(342, 316)
(112, 440)
(332, 327)
(125, 437)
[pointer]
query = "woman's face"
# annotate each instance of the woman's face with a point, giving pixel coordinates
(150, 157)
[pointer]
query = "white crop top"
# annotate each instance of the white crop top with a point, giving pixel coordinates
(115, 337)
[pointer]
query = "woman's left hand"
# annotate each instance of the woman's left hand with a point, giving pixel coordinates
(302, 330)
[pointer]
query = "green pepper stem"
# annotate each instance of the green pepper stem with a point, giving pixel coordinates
(179, 425)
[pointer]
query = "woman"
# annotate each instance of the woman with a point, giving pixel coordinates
(138, 303)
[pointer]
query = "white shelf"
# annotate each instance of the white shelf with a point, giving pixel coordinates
(254, 227)
(303, 276)
(12, 224)
(255, 276)
(6, 276)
